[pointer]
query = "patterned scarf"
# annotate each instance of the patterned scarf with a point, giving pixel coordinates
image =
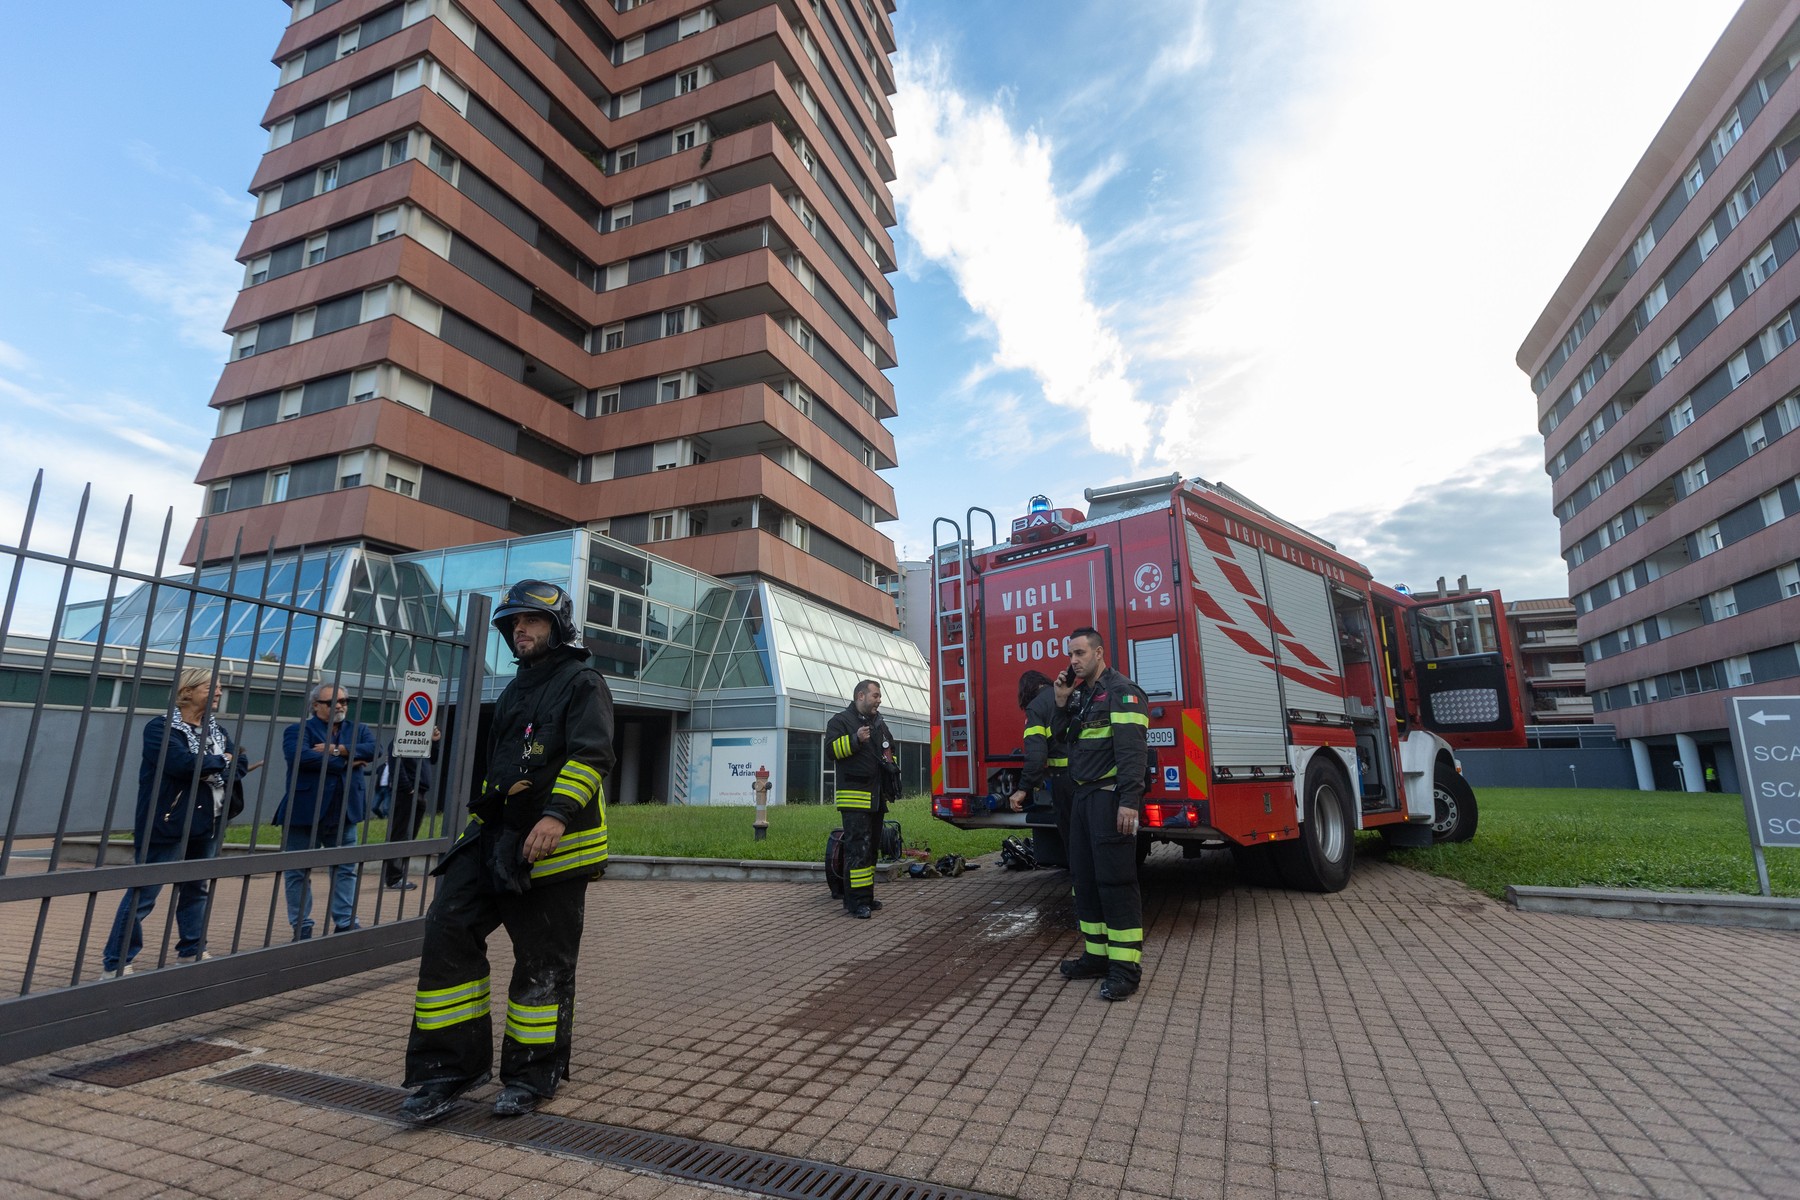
(214, 737)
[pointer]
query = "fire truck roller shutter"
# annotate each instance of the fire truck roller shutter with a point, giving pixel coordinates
(1246, 725)
(1306, 641)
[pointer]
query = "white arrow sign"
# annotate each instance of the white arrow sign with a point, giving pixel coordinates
(1763, 718)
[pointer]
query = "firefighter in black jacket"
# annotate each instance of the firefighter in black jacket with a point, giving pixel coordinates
(536, 837)
(863, 748)
(1046, 757)
(1102, 717)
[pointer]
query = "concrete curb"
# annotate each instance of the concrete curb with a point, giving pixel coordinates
(1691, 908)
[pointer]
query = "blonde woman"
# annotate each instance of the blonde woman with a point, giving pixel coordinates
(184, 783)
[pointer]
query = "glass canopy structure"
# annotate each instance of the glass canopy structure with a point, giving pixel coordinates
(712, 678)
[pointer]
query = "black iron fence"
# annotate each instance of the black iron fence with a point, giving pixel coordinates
(91, 653)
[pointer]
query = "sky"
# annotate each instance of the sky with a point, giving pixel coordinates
(1290, 245)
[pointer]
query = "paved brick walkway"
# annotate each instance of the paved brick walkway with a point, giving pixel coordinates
(1406, 1038)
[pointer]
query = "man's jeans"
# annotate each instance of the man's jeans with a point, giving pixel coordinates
(299, 883)
(127, 937)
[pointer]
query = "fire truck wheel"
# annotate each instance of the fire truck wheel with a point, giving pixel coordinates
(1319, 859)
(1454, 815)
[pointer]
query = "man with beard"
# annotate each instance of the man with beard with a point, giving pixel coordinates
(536, 837)
(863, 748)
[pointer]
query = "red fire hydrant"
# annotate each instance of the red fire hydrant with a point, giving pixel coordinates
(761, 788)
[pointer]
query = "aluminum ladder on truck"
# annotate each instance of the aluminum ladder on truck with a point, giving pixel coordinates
(953, 749)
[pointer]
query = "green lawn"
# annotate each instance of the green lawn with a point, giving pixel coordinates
(796, 832)
(1569, 837)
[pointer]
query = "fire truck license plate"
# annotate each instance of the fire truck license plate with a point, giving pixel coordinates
(1160, 737)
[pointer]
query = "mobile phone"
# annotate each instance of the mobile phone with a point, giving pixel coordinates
(1067, 678)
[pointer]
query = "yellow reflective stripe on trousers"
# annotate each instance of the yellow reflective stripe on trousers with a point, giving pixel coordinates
(840, 747)
(861, 877)
(1093, 934)
(853, 798)
(585, 848)
(531, 1024)
(1125, 945)
(1131, 718)
(439, 1008)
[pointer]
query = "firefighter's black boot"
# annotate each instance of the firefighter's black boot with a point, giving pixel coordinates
(1120, 982)
(1088, 966)
(433, 1101)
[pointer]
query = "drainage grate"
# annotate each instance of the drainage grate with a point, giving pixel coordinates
(754, 1171)
(151, 1063)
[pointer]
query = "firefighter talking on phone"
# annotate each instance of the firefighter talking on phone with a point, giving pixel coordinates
(1102, 718)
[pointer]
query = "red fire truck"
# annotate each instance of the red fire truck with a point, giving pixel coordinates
(1293, 700)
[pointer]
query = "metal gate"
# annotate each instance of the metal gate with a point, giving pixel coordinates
(80, 679)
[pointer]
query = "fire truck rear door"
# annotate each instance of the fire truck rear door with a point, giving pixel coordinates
(1460, 665)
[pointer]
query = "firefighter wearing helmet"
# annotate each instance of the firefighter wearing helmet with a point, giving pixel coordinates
(536, 838)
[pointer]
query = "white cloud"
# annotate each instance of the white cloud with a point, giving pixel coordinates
(193, 282)
(1390, 235)
(1190, 50)
(12, 358)
(977, 198)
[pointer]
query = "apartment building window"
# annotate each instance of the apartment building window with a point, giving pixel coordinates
(698, 21)
(387, 224)
(662, 526)
(1788, 576)
(1762, 264)
(1694, 179)
(1740, 202)
(256, 270)
(617, 275)
(1756, 436)
(290, 403)
(1778, 337)
(443, 163)
(337, 108)
(364, 382)
(665, 456)
(303, 325)
(1738, 672)
(677, 260)
(276, 488)
(1723, 304)
(328, 178)
(608, 402)
(671, 387)
(399, 150)
(1708, 240)
(1787, 415)
(621, 215)
(315, 250)
(1682, 415)
(612, 337)
(281, 133)
(597, 468)
(218, 498)
(625, 158)
(1728, 134)
(1772, 509)
(688, 136)
(292, 67)
(1723, 603)
(686, 195)
(674, 322)
(1656, 299)
(1693, 476)
(1709, 538)
(630, 102)
(693, 79)
(1668, 356)
(268, 201)
(799, 397)
(631, 48)
(243, 343)
(401, 477)
(350, 470)
(1738, 367)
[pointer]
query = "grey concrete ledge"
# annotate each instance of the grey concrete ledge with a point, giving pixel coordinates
(1692, 908)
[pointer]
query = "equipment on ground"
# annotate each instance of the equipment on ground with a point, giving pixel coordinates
(1293, 700)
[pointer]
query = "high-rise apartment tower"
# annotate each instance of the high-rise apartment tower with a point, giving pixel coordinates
(525, 265)
(1668, 396)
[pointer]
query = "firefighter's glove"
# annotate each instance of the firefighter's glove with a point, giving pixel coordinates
(507, 869)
